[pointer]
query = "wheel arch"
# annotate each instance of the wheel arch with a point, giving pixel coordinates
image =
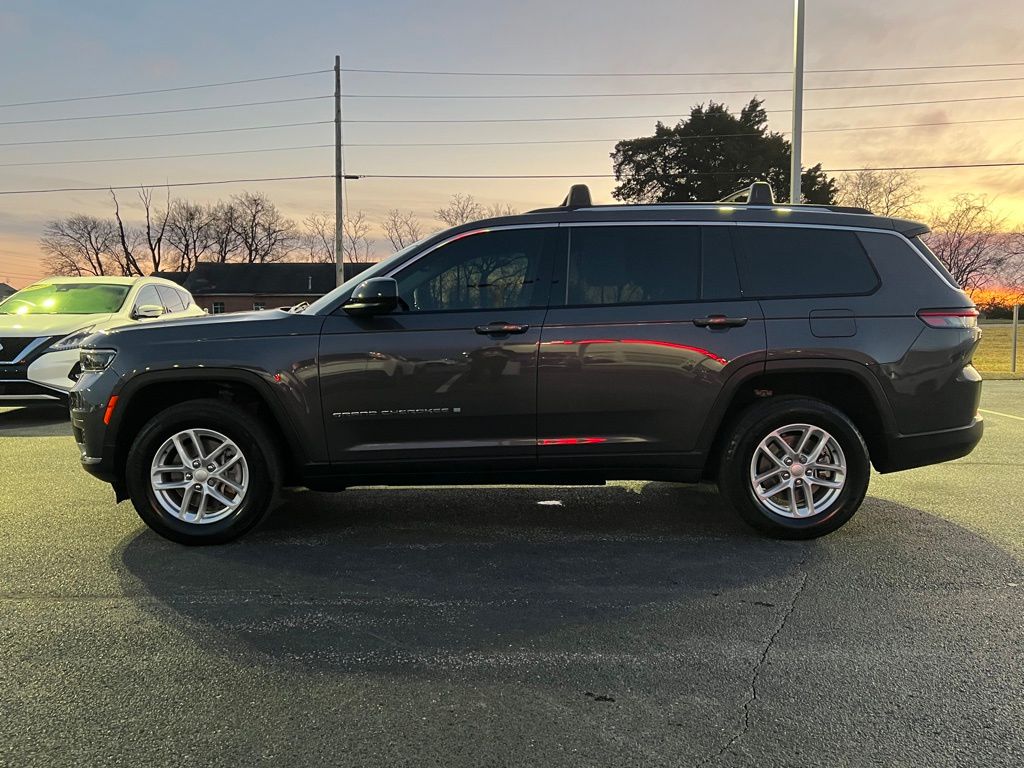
(844, 384)
(143, 396)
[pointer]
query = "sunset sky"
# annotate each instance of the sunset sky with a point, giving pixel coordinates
(54, 50)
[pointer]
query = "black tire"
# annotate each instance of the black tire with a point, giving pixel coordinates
(754, 425)
(229, 420)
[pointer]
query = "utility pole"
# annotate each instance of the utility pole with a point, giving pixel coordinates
(339, 215)
(798, 101)
(1013, 343)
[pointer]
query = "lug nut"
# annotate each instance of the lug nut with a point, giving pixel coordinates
(799, 482)
(188, 477)
(197, 487)
(195, 465)
(788, 461)
(211, 467)
(785, 475)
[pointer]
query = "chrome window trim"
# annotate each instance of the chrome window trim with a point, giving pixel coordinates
(665, 223)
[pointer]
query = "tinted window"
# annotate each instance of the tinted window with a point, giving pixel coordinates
(719, 279)
(503, 269)
(794, 261)
(65, 299)
(633, 265)
(186, 299)
(170, 299)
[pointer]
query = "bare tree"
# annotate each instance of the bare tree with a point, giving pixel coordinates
(155, 228)
(885, 193)
(460, 210)
(972, 242)
(357, 246)
(190, 232)
(495, 210)
(224, 219)
(319, 237)
(78, 245)
(263, 232)
(402, 228)
(127, 239)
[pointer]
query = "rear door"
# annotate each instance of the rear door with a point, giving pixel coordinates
(646, 328)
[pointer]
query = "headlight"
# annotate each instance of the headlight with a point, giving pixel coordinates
(96, 359)
(72, 340)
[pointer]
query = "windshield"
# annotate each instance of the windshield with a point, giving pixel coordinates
(65, 299)
(377, 269)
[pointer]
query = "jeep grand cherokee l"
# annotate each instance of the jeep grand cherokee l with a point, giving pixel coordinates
(779, 350)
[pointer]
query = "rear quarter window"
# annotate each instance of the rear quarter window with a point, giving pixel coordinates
(803, 261)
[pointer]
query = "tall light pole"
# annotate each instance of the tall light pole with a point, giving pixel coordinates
(798, 100)
(339, 216)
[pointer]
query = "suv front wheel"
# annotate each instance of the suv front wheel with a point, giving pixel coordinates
(202, 472)
(795, 468)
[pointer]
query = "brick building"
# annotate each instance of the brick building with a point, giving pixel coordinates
(220, 288)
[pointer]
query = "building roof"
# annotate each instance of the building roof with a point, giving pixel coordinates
(174, 277)
(289, 279)
(6, 290)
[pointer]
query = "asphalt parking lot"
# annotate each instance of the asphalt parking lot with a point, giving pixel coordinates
(633, 625)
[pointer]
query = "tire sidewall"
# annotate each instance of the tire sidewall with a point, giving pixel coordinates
(231, 422)
(753, 429)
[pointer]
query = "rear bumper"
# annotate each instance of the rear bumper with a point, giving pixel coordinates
(900, 452)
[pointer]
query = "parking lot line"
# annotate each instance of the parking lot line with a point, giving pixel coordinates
(997, 413)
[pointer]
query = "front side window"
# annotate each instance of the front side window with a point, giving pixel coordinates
(803, 261)
(633, 265)
(499, 269)
(65, 299)
(148, 296)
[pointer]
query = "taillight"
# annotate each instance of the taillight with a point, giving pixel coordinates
(950, 318)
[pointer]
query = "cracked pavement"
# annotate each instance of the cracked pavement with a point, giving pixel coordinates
(637, 625)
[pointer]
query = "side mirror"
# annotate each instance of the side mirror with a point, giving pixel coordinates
(148, 310)
(376, 296)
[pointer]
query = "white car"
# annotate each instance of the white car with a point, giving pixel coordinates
(42, 326)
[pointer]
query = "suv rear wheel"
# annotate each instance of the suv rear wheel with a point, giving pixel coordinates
(202, 472)
(795, 468)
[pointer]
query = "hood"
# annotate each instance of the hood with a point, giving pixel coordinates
(237, 325)
(46, 325)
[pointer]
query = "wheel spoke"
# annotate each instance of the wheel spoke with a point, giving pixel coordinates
(201, 510)
(804, 439)
(197, 443)
(767, 494)
(221, 497)
(186, 499)
(168, 485)
(793, 508)
(230, 484)
(825, 483)
(229, 463)
(770, 473)
(809, 498)
(183, 456)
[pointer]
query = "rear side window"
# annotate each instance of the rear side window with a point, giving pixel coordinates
(171, 300)
(633, 265)
(932, 259)
(186, 299)
(795, 261)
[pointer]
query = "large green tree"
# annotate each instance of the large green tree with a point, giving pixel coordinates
(709, 155)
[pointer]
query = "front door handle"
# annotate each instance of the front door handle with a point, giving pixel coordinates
(719, 321)
(501, 329)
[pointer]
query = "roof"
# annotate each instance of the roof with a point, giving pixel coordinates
(287, 279)
(753, 204)
(175, 277)
(7, 290)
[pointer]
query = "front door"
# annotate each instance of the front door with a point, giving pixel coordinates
(452, 376)
(638, 345)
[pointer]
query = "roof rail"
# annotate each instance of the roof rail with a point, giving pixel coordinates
(758, 193)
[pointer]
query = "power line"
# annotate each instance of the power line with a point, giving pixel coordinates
(1012, 164)
(577, 118)
(164, 135)
(162, 111)
(669, 93)
(165, 157)
(674, 74)
(163, 90)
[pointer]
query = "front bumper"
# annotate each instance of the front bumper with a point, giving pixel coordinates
(88, 404)
(898, 452)
(16, 389)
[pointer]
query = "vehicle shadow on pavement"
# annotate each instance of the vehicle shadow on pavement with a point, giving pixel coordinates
(417, 578)
(45, 421)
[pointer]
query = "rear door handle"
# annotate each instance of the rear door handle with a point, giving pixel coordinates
(719, 321)
(501, 329)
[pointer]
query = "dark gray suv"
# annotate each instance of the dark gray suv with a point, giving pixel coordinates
(778, 350)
